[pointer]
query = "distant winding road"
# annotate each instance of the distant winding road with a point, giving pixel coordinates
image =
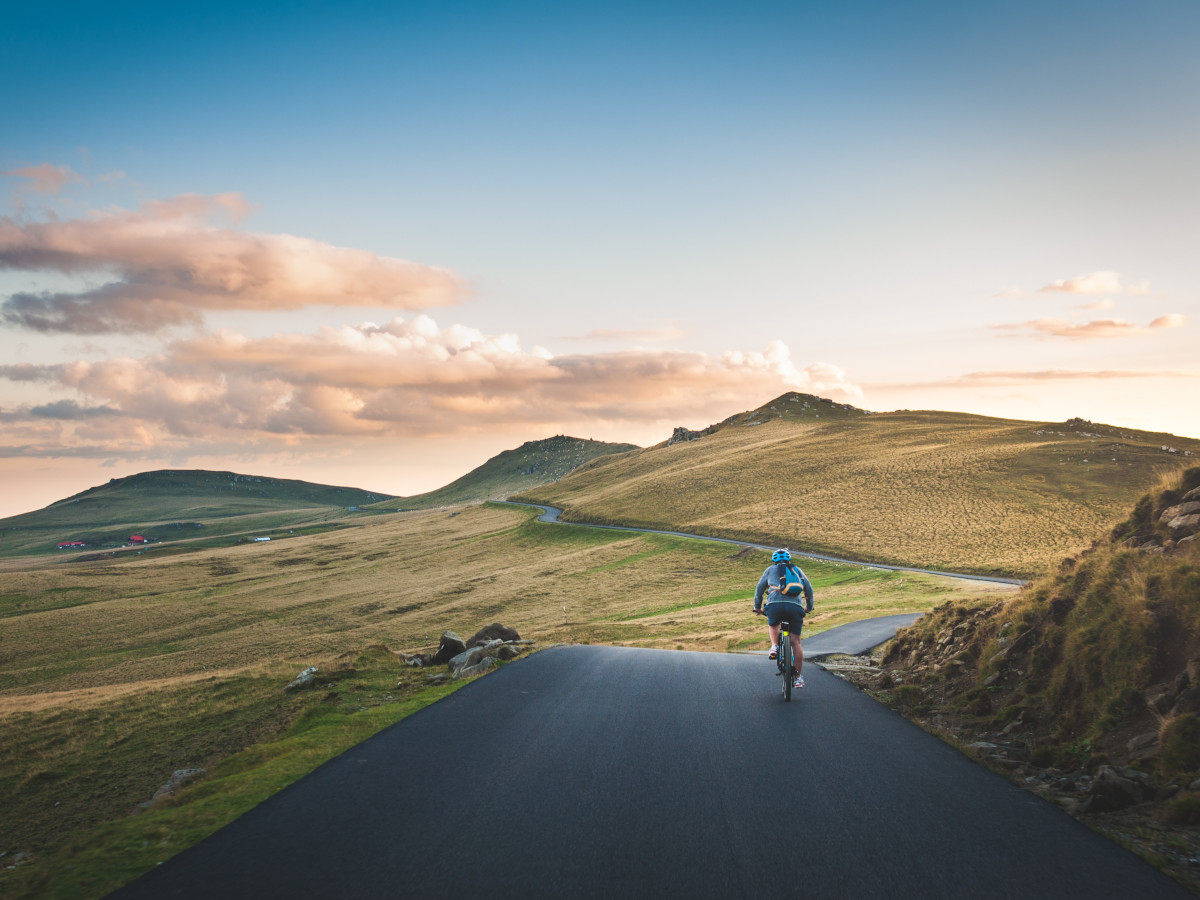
(551, 514)
(631, 773)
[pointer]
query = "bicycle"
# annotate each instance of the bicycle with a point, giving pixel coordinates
(784, 660)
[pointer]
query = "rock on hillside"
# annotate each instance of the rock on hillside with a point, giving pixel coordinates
(791, 405)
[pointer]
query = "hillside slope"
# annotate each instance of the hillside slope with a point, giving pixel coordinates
(174, 497)
(531, 465)
(930, 489)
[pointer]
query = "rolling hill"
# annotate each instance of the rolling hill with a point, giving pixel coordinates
(172, 504)
(531, 465)
(931, 489)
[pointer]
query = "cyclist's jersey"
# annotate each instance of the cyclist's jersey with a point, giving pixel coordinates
(769, 585)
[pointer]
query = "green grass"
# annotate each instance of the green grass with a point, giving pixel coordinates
(104, 846)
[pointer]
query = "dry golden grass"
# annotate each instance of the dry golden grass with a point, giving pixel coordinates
(933, 490)
(399, 580)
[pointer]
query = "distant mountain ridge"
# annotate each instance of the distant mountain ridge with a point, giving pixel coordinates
(531, 465)
(171, 503)
(923, 488)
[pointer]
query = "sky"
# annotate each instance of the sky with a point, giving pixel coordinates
(375, 244)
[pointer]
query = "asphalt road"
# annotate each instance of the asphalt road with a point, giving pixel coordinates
(550, 514)
(856, 637)
(619, 772)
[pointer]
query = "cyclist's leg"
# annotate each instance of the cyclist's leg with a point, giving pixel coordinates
(773, 633)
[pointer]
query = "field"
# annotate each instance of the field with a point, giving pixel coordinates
(115, 673)
(927, 489)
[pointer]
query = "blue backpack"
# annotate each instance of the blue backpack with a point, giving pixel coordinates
(790, 582)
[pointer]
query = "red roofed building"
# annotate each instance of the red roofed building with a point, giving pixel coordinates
(136, 539)
(70, 545)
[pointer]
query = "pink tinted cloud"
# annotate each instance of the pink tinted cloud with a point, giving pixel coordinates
(1098, 328)
(168, 265)
(634, 335)
(406, 379)
(1033, 376)
(46, 178)
(1102, 282)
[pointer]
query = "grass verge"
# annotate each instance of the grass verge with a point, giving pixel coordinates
(105, 841)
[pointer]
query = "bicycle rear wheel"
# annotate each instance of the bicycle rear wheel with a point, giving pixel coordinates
(785, 659)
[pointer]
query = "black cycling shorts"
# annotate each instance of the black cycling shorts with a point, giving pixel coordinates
(785, 611)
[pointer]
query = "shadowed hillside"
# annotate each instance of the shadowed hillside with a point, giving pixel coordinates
(931, 489)
(173, 504)
(531, 465)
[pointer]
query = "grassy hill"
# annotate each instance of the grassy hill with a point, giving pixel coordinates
(931, 489)
(174, 504)
(532, 464)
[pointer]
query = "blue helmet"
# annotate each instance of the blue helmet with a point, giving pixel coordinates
(781, 556)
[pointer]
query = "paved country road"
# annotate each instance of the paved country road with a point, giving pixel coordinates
(550, 514)
(856, 637)
(630, 773)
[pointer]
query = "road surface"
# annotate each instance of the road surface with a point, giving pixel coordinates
(856, 637)
(631, 773)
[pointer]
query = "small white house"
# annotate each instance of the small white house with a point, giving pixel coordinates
(259, 540)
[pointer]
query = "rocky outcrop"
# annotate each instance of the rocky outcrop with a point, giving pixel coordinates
(487, 648)
(179, 779)
(449, 647)
(1114, 788)
(682, 435)
(1184, 517)
(304, 679)
(493, 632)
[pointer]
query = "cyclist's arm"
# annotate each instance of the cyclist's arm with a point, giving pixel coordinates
(758, 591)
(808, 592)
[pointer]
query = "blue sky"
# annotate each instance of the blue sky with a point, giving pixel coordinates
(892, 192)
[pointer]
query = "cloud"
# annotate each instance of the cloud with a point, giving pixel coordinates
(1012, 292)
(46, 178)
(1098, 328)
(1009, 378)
(1016, 376)
(409, 378)
(1103, 282)
(1171, 320)
(1106, 303)
(647, 335)
(167, 265)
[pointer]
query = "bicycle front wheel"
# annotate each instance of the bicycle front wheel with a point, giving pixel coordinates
(785, 657)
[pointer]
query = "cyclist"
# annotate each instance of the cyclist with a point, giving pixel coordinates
(781, 607)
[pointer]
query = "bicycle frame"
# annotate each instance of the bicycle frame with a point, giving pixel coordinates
(785, 662)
